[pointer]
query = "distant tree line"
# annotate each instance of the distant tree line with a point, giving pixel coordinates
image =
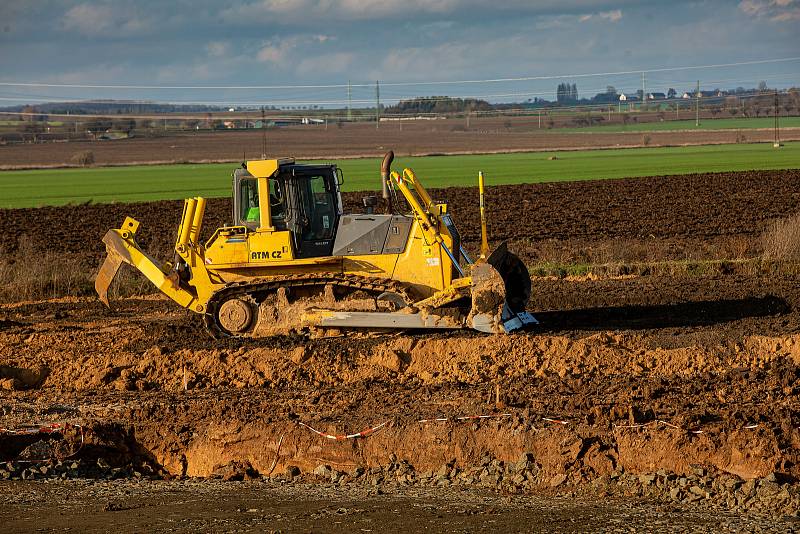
(566, 93)
(437, 104)
(110, 117)
(116, 107)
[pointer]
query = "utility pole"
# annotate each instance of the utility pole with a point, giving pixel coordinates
(697, 105)
(377, 104)
(539, 114)
(777, 142)
(349, 101)
(644, 93)
(264, 134)
(467, 119)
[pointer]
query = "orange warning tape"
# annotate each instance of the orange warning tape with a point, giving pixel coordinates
(676, 427)
(362, 434)
(463, 418)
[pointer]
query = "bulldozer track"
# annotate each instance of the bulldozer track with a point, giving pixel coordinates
(372, 285)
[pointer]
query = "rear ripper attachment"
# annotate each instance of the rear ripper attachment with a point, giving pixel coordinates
(293, 260)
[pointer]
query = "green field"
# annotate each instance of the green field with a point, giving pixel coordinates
(670, 124)
(17, 123)
(158, 182)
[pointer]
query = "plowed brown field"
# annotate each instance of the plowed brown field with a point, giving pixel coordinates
(676, 375)
(360, 140)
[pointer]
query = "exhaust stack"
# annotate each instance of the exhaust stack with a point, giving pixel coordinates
(386, 168)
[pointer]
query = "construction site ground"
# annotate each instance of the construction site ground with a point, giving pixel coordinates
(262, 506)
(653, 397)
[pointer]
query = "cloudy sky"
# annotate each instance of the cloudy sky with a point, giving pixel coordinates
(406, 42)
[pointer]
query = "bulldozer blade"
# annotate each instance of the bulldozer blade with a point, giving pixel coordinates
(106, 275)
(110, 267)
(515, 275)
(501, 288)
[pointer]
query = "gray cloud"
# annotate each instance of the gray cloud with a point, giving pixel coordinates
(774, 10)
(101, 19)
(274, 42)
(279, 11)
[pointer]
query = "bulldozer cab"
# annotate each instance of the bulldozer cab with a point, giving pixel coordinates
(303, 199)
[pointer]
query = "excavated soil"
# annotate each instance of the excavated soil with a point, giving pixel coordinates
(716, 355)
(678, 389)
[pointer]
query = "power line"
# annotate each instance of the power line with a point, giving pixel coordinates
(617, 73)
(254, 113)
(391, 84)
(349, 101)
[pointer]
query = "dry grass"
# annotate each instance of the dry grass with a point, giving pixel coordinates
(612, 257)
(781, 240)
(83, 158)
(32, 274)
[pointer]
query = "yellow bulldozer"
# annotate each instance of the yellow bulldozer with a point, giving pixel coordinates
(293, 260)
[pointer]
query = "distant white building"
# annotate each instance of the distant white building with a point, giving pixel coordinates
(623, 97)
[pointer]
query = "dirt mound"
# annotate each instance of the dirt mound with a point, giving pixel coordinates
(469, 361)
(124, 354)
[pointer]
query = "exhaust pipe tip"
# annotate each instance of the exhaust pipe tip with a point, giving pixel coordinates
(386, 166)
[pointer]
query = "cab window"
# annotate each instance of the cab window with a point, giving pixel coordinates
(248, 205)
(321, 209)
(249, 208)
(277, 204)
